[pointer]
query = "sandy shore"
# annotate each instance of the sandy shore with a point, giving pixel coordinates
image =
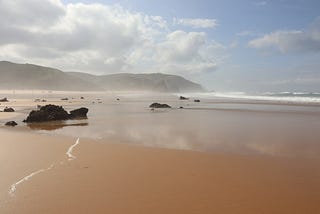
(270, 164)
(106, 177)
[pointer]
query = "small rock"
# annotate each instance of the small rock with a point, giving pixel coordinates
(64, 98)
(78, 113)
(159, 105)
(183, 98)
(4, 100)
(11, 123)
(197, 101)
(6, 109)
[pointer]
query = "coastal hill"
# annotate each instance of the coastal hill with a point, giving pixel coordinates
(29, 76)
(144, 82)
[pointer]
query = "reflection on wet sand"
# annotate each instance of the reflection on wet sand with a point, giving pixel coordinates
(49, 126)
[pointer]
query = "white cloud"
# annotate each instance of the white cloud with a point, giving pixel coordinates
(101, 38)
(291, 41)
(196, 23)
(180, 52)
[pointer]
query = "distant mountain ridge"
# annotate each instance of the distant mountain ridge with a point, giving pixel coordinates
(29, 76)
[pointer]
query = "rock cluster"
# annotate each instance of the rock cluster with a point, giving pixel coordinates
(54, 112)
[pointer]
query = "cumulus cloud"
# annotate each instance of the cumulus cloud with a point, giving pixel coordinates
(196, 23)
(100, 38)
(291, 41)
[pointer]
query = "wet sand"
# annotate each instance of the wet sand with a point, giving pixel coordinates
(270, 164)
(118, 178)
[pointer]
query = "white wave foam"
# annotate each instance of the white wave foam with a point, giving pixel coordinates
(13, 187)
(295, 97)
(69, 152)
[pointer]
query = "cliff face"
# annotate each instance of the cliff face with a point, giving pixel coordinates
(28, 76)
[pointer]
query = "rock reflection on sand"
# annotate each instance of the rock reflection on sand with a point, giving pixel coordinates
(50, 126)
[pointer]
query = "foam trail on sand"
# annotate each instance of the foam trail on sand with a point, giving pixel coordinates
(13, 187)
(69, 152)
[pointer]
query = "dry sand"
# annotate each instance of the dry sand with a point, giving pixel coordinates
(118, 178)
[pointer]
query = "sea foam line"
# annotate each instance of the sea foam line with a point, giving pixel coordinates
(13, 187)
(69, 152)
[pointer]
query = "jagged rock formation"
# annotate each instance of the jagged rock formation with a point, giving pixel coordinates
(54, 112)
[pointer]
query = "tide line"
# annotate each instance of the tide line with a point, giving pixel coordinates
(13, 187)
(69, 152)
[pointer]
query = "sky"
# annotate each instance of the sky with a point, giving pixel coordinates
(247, 45)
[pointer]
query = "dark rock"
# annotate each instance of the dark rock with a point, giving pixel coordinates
(118, 99)
(159, 105)
(183, 98)
(82, 98)
(11, 123)
(6, 109)
(78, 113)
(181, 107)
(53, 112)
(47, 113)
(64, 98)
(4, 100)
(197, 101)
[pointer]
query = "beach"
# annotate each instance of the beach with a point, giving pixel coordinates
(204, 158)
